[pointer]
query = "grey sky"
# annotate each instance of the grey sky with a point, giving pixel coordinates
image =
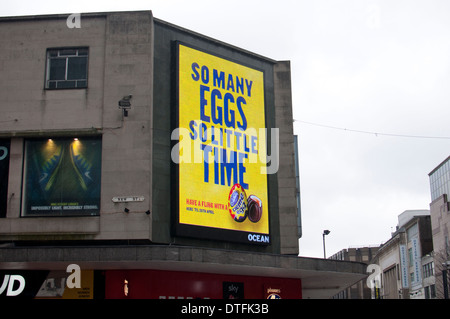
(368, 66)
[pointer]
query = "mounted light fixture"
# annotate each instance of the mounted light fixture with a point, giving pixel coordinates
(125, 287)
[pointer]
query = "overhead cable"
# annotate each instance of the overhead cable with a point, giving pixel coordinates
(372, 133)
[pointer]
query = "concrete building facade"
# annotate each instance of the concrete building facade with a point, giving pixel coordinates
(129, 54)
(87, 167)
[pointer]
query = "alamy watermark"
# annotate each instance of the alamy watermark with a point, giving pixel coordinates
(374, 279)
(227, 147)
(74, 21)
(74, 279)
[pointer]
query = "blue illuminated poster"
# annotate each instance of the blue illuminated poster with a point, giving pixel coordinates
(62, 177)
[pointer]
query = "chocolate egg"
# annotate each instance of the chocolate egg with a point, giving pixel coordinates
(237, 200)
(254, 208)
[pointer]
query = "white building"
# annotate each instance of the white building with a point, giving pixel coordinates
(404, 259)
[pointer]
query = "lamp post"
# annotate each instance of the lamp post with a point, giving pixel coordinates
(325, 232)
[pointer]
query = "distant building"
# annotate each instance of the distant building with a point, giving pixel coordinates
(440, 220)
(405, 262)
(360, 290)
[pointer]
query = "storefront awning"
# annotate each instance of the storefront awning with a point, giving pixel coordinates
(321, 278)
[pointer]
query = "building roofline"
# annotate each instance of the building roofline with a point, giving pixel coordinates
(395, 237)
(439, 166)
(196, 34)
(64, 15)
(156, 20)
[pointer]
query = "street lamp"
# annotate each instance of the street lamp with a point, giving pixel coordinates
(325, 232)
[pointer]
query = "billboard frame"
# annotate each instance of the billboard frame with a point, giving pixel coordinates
(199, 231)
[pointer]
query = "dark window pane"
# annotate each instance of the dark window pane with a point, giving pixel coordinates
(83, 52)
(57, 69)
(81, 84)
(53, 53)
(67, 52)
(77, 68)
(66, 84)
(51, 84)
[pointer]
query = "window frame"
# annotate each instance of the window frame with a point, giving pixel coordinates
(47, 67)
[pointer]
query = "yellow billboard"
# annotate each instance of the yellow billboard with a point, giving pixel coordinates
(221, 156)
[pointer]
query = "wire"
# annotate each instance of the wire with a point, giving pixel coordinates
(373, 133)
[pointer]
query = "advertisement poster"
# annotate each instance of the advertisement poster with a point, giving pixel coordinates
(55, 286)
(4, 173)
(222, 149)
(62, 177)
(272, 292)
(20, 284)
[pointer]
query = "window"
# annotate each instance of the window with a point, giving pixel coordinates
(67, 68)
(447, 246)
(428, 270)
(412, 277)
(427, 292)
(433, 291)
(430, 292)
(62, 177)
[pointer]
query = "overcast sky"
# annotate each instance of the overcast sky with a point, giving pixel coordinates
(358, 68)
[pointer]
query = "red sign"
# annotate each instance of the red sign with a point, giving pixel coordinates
(160, 284)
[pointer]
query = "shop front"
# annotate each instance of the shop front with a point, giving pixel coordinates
(168, 272)
(160, 284)
(143, 284)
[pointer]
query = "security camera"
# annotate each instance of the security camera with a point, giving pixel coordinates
(125, 101)
(125, 104)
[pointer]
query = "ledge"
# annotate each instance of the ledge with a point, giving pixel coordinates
(12, 228)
